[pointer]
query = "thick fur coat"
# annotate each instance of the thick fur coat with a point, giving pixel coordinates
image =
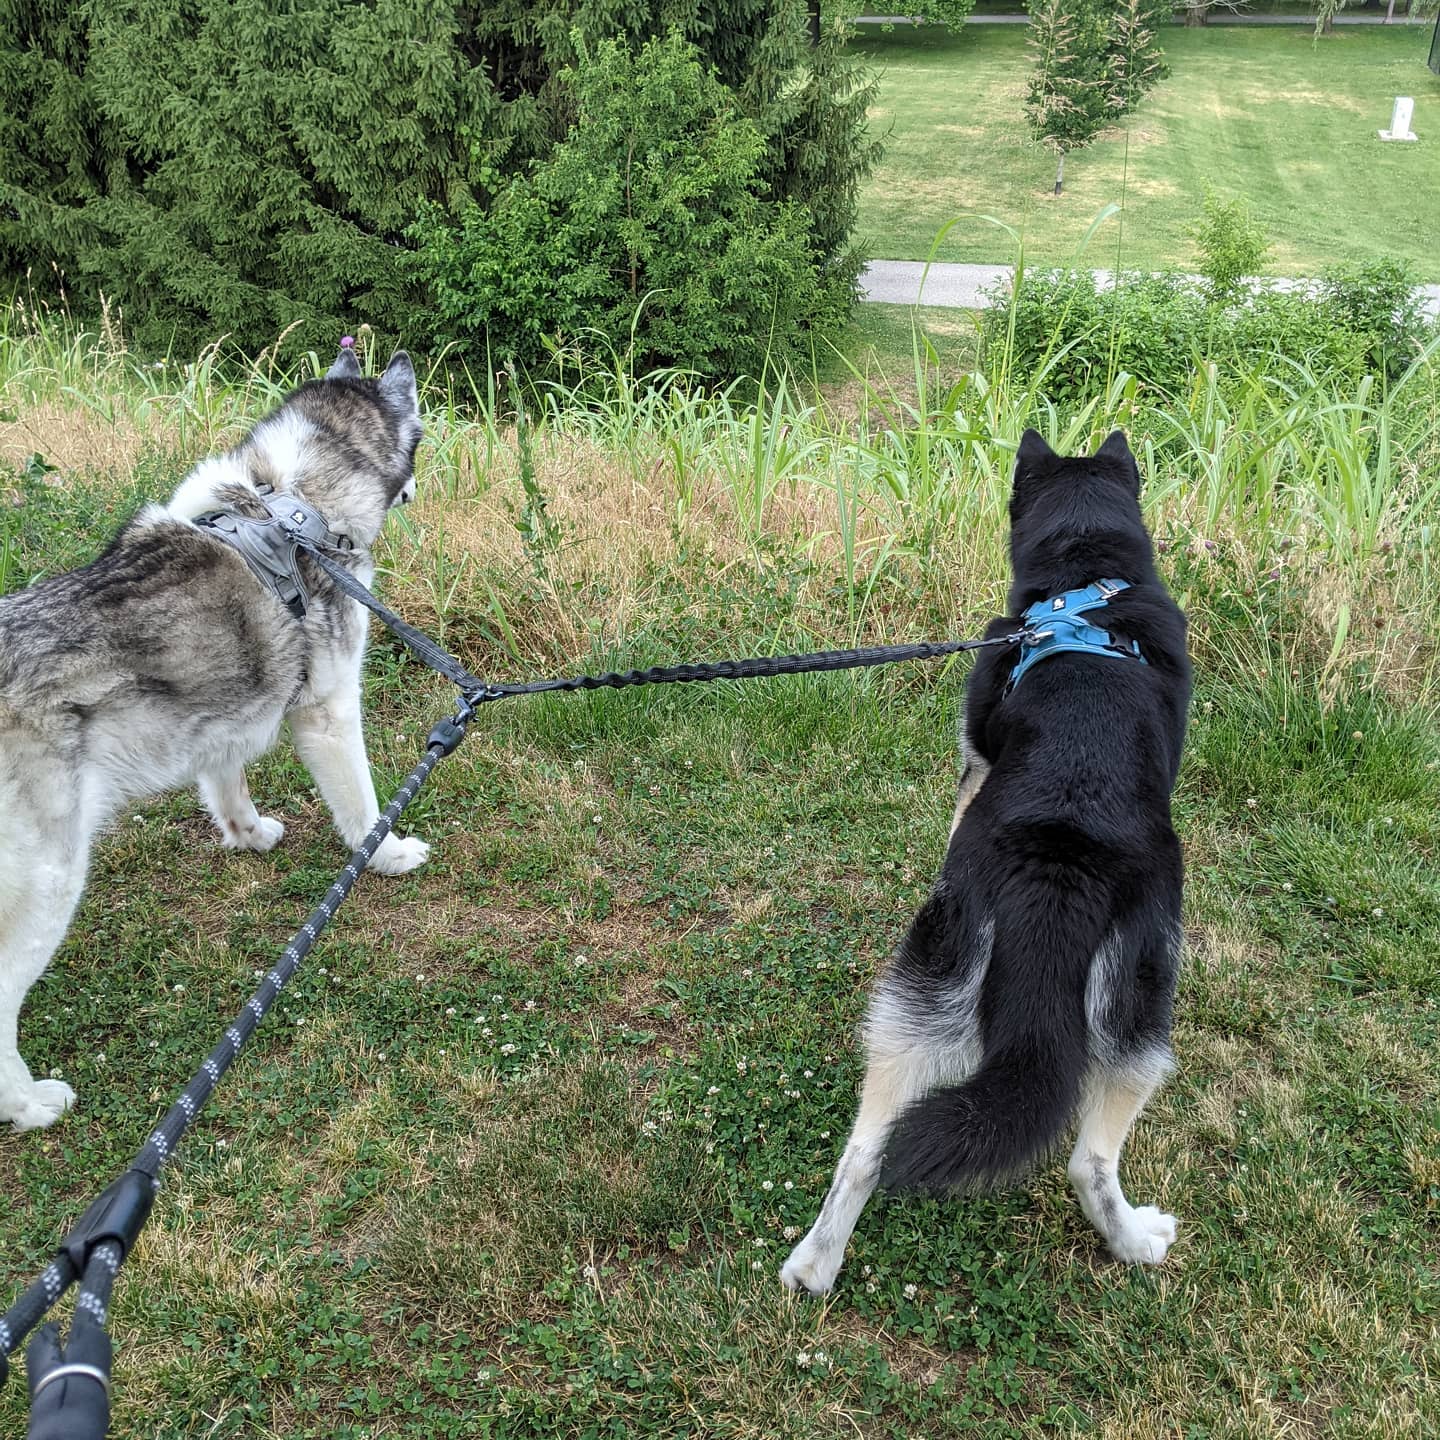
(166, 663)
(1035, 985)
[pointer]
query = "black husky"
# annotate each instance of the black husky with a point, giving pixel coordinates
(1036, 983)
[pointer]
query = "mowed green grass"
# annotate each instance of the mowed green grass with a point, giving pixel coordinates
(1263, 113)
(520, 1151)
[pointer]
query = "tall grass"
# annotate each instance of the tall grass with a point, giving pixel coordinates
(887, 498)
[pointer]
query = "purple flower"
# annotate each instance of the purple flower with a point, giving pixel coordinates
(347, 342)
(1275, 574)
(1210, 546)
(1162, 546)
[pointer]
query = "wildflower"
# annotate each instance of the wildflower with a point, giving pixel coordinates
(529, 1004)
(595, 819)
(347, 342)
(1287, 887)
(789, 1184)
(419, 979)
(713, 1090)
(910, 1292)
(802, 1359)
(449, 1009)
(761, 1242)
(1377, 912)
(767, 1184)
(507, 1049)
(1251, 803)
(809, 1074)
(791, 1232)
(179, 989)
(756, 1265)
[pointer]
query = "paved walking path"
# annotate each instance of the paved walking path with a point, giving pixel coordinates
(961, 287)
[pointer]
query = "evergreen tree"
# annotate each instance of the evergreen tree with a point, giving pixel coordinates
(241, 165)
(1068, 101)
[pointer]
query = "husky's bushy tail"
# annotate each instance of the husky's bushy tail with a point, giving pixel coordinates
(1050, 923)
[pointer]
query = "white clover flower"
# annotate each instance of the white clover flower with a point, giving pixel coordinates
(767, 1184)
(757, 1265)
(529, 1004)
(449, 1009)
(910, 1292)
(791, 1232)
(508, 1049)
(789, 1184)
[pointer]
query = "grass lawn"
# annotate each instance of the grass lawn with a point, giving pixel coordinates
(1263, 113)
(519, 1153)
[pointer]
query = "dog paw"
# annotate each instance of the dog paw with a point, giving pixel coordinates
(1145, 1237)
(810, 1270)
(40, 1104)
(398, 857)
(263, 835)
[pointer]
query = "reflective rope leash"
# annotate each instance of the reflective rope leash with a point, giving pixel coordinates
(69, 1383)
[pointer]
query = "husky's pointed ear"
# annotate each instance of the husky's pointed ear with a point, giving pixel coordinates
(1033, 450)
(1116, 447)
(346, 367)
(397, 384)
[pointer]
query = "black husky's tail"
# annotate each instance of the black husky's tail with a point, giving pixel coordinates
(1031, 1015)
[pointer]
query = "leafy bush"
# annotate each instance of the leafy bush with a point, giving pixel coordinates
(1232, 245)
(220, 167)
(648, 225)
(1070, 336)
(1377, 301)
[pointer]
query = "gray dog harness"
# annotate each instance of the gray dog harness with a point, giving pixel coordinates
(269, 546)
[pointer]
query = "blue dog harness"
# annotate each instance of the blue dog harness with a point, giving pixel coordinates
(1056, 626)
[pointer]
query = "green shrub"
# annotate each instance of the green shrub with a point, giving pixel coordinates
(1070, 337)
(1231, 244)
(221, 167)
(1377, 301)
(647, 226)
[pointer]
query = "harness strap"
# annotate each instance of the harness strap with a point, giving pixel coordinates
(271, 547)
(1056, 627)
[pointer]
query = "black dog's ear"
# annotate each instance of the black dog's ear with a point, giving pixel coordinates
(346, 367)
(1033, 451)
(1116, 447)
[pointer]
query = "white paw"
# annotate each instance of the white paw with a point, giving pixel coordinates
(42, 1103)
(397, 857)
(1145, 1237)
(263, 835)
(809, 1268)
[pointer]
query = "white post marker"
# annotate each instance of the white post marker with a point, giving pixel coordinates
(1400, 120)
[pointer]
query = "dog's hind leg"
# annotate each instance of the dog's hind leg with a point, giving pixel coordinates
(891, 1084)
(977, 768)
(241, 826)
(1113, 1102)
(907, 1058)
(39, 890)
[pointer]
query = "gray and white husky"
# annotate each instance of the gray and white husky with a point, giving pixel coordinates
(166, 663)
